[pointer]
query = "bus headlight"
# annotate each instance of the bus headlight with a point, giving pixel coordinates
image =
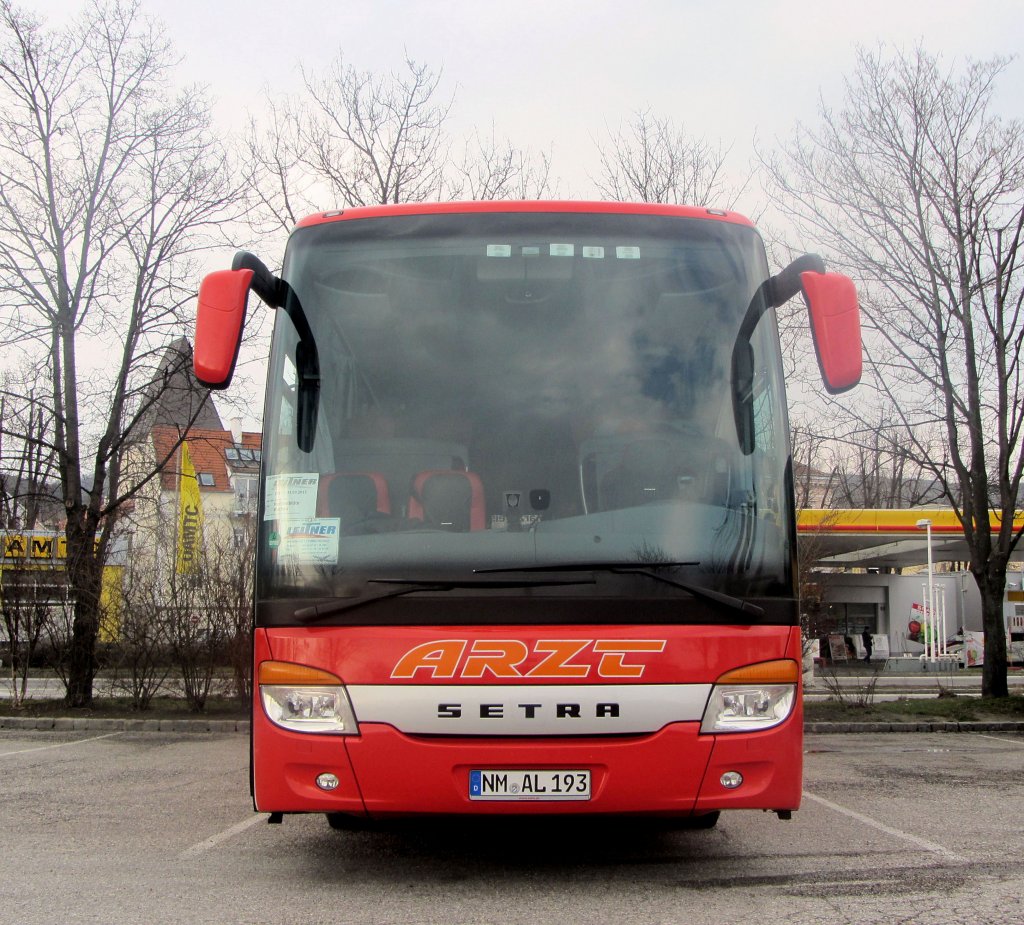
(304, 699)
(752, 698)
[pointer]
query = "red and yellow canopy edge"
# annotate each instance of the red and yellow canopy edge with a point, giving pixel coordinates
(944, 520)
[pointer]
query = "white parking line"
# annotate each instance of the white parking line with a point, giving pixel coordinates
(982, 735)
(215, 840)
(43, 748)
(930, 846)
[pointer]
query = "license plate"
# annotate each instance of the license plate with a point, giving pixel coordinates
(529, 785)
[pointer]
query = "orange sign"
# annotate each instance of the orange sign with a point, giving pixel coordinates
(511, 658)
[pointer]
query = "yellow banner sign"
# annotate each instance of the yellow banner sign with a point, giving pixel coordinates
(190, 517)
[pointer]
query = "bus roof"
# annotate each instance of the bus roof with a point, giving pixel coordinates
(601, 208)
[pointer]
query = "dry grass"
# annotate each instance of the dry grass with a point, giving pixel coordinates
(120, 708)
(946, 707)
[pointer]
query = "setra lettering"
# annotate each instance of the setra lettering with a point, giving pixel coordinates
(528, 710)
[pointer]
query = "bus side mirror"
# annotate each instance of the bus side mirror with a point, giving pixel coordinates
(835, 328)
(220, 317)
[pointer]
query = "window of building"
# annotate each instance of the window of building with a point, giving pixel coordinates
(243, 454)
(850, 618)
(245, 488)
(206, 478)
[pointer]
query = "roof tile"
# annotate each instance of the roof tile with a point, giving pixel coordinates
(207, 450)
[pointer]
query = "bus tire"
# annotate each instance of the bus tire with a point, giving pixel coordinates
(345, 822)
(703, 821)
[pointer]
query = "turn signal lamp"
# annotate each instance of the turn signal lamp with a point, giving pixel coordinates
(300, 698)
(752, 698)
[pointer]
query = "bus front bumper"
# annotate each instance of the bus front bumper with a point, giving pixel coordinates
(384, 773)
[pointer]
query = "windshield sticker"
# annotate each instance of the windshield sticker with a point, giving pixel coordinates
(291, 496)
(627, 253)
(286, 426)
(310, 541)
(530, 251)
(290, 377)
(593, 253)
(562, 250)
(499, 250)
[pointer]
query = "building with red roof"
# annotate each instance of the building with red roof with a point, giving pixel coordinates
(226, 461)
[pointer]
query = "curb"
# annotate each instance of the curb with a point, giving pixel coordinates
(932, 726)
(227, 726)
(101, 724)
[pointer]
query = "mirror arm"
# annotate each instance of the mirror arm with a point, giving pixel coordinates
(308, 398)
(786, 283)
(772, 293)
(742, 367)
(267, 286)
(307, 361)
(278, 294)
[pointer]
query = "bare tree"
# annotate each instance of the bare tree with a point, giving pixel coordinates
(917, 189)
(812, 588)
(236, 601)
(497, 169)
(280, 189)
(141, 661)
(25, 610)
(869, 467)
(26, 492)
(877, 472)
(28, 474)
(653, 160)
(210, 620)
(813, 470)
(359, 138)
(109, 184)
(197, 635)
(376, 139)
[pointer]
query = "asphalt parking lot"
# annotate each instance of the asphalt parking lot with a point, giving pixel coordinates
(157, 827)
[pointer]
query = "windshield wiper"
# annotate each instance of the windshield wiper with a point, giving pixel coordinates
(633, 568)
(412, 585)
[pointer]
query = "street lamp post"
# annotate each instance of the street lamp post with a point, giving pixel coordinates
(931, 617)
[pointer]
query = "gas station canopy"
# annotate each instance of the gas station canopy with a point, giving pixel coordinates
(886, 538)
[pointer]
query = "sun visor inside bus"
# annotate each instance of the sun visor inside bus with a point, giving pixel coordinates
(524, 269)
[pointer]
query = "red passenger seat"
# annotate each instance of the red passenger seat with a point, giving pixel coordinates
(448, 499)
(353, 496)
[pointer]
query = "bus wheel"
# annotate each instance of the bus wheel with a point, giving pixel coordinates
(345, 822)
(704, 821)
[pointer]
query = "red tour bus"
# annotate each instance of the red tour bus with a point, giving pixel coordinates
(527, 539)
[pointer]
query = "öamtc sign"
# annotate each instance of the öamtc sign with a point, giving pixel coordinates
(34, 546)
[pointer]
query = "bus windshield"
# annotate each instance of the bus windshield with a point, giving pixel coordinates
(518, 405)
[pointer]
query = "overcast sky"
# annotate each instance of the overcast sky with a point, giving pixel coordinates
(555, 75)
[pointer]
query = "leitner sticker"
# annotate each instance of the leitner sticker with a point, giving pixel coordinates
(292, 496)
(499, 250)
(593, 253)
(561, 250)
(310, 541)
(627, 253)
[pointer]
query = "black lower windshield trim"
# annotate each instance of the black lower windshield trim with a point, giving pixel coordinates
(655, 572)
(423, 610)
